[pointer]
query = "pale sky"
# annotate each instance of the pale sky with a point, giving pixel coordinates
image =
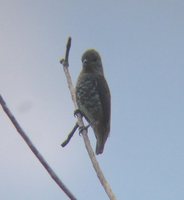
(141, 44)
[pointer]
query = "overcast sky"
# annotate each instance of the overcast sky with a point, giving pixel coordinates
(141, 43)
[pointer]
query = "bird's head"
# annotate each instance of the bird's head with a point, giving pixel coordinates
(92, 62)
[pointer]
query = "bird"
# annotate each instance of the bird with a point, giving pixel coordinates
(93, 97)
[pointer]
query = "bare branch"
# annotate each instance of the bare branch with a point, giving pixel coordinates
(65, 64)
(65, 61)
(94, 161)
(35, 150)
(70, 135)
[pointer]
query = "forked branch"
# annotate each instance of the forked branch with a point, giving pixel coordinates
(90, 151)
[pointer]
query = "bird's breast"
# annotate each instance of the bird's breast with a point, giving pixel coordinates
(88, 98)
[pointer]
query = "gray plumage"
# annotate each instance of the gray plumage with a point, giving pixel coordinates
(93, 97)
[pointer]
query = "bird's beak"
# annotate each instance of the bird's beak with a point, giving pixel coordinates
(84, 62)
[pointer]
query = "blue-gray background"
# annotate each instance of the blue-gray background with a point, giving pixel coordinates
(141, 43)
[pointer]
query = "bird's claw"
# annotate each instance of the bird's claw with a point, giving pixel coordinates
(77, 111)
(83, 128)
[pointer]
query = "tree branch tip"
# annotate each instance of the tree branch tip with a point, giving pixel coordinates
(69, 41)
(63, 144)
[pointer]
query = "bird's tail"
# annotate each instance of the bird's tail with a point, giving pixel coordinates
(99, 147)
(101, 134)
(101, 137)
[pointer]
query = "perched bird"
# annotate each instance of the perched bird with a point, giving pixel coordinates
(93, 97)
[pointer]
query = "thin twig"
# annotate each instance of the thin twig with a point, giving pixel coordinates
(90, 151)
(65, 64)
(70, 135)
(34, 150)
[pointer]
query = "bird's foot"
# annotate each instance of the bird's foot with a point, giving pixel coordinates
(83, 128)
(77, 111)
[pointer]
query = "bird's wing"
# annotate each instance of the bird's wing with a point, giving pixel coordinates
(105, 98)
